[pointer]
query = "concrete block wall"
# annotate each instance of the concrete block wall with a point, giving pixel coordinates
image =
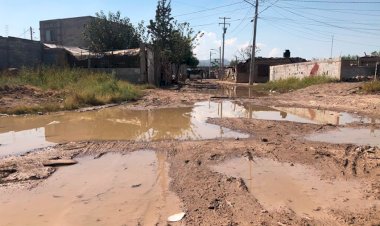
(67, 32)
(350, 71)
(17, 53)
(3, 53)
(331, 68)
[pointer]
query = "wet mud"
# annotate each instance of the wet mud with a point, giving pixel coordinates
(256, 160)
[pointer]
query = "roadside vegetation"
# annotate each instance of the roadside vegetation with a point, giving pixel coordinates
(75, 87)
(290, 84)
(372, 87)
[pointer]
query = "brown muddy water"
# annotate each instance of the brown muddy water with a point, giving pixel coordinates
(299, 188)
(19, 134)
(369, 136)
(115, 189)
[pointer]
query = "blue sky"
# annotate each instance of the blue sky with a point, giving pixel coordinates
(305, 27)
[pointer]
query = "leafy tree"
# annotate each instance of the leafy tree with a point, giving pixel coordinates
(174, 41)
(375, 53)
(162, 28)
(111, 32)
(350, 57)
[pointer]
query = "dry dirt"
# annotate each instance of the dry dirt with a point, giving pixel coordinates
(26, 96)
(212, 198)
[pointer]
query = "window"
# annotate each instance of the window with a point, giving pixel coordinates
(50, 36)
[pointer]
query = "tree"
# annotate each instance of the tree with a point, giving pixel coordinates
(174, 41)
(375, 53)
(245, 53)
(112, 32)
(161, 29)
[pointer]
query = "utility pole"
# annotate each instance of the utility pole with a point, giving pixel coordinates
(332, 46)
(253, 58)
(209, 67)
(31, 33)
(220, 60)
(224, 36)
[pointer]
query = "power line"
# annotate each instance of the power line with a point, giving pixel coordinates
(364, 30)
(334, 2)
(208, 9)
(224, 35)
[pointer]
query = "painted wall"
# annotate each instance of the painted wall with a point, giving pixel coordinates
(331, 68)
(334, 68)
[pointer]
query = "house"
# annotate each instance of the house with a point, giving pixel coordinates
(262, 69)
(65, 32)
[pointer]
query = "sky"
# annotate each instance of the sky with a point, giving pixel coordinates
(308, 28)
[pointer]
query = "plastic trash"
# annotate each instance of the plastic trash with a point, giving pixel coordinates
(176, 217)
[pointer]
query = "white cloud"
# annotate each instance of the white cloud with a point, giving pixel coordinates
(212, 40)
(275, 52)
(231, 41)
(207, 42)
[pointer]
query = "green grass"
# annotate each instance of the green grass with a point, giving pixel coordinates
(79, 87)
(372, 87)
(289, 84)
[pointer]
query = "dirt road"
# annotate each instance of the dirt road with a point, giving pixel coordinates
(270, 174)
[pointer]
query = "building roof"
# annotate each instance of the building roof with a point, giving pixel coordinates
(80, 53)
(70, 18)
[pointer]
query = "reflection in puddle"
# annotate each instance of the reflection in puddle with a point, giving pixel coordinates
(278, 185)
(348, 136)
(325, 116)
(15, 142)
(186, 123)
(106, 191)
(234, 91)
(118, 123)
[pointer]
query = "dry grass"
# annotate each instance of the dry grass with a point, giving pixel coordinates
(80, 87)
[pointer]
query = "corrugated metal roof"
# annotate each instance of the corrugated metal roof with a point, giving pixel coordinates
(80, 53)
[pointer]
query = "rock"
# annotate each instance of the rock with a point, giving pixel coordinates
(264, 140)
(136, 185)
(59, 162)
(214, 204)
(214, 157)
(237, 138)
(248, 155)
(242, 185)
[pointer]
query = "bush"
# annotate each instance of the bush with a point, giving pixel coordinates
(286, 85)
(372, 87)
(80, 87)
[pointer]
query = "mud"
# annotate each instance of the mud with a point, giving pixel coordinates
(295, 181)
(130, 189)
(293, 186)
(370, 136)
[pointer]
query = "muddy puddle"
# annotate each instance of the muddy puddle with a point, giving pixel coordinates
(234, 91)
(348, 136)
(20, 134)
(118, 123)
(279, 185)
(113, 190)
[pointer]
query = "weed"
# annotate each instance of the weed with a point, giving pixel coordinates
(289, 84)
(372, 87)
(80, 87)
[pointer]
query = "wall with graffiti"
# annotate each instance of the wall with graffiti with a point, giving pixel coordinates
(331, 68)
